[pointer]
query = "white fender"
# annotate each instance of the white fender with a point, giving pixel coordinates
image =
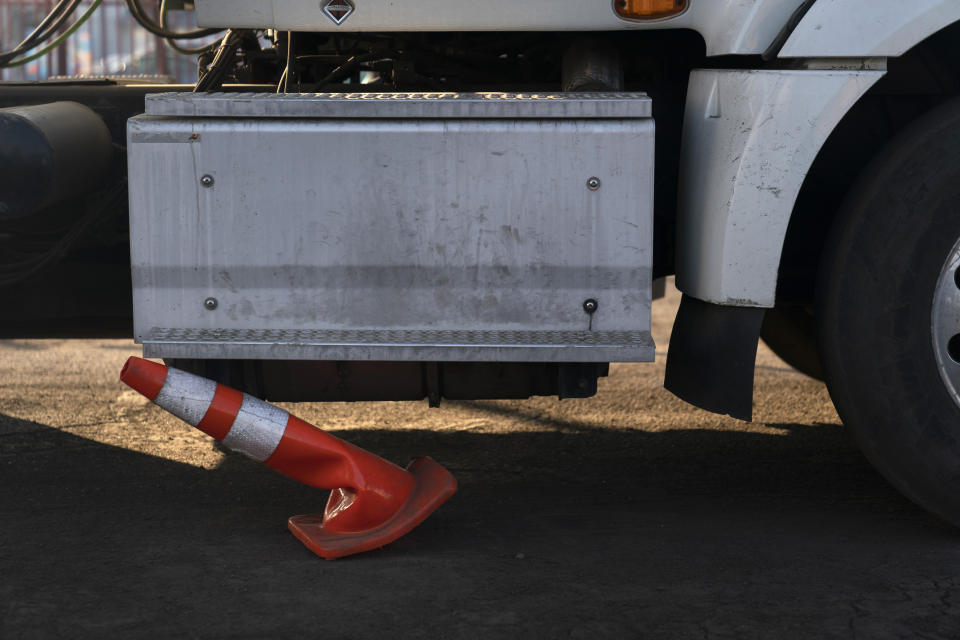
(749, 138)
(867, 28)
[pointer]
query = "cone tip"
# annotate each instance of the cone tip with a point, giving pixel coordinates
(143, 376)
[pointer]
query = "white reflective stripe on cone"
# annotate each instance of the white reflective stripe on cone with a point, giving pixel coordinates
(186, 396)
(257, 430)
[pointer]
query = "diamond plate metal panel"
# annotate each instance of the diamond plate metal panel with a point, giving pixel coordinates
(436, 104)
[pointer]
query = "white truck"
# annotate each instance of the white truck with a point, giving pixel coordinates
(374, 200)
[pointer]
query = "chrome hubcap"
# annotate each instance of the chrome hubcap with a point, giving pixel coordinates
(946, 323)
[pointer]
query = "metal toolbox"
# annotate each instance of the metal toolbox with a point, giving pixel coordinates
(398, 226)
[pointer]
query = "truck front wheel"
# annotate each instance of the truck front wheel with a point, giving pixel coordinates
(888, 308)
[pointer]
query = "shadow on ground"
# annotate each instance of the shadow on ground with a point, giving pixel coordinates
(573, 532)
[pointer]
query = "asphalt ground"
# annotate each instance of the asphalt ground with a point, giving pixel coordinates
(628, 515)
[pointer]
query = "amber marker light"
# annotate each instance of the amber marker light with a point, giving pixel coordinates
(649, 9)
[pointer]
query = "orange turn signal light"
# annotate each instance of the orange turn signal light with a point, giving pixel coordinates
(649, 9)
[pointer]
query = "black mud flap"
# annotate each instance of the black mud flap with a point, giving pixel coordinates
(711, 358)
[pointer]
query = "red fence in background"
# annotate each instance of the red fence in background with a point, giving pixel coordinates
(110, 42)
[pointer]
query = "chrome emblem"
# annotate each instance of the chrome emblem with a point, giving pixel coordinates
(338, 10)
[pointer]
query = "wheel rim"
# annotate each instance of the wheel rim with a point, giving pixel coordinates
(946, 323)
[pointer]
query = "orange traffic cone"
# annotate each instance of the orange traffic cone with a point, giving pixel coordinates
(372, 501)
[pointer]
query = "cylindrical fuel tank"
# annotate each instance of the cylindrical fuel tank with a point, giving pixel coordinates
(48, 153)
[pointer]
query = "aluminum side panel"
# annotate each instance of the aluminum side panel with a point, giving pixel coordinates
(434, 228)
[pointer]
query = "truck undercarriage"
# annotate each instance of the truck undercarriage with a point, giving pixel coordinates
(57, 267)
(441, 212)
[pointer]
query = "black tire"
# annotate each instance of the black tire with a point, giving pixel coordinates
(876, 288)
(791, 333)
